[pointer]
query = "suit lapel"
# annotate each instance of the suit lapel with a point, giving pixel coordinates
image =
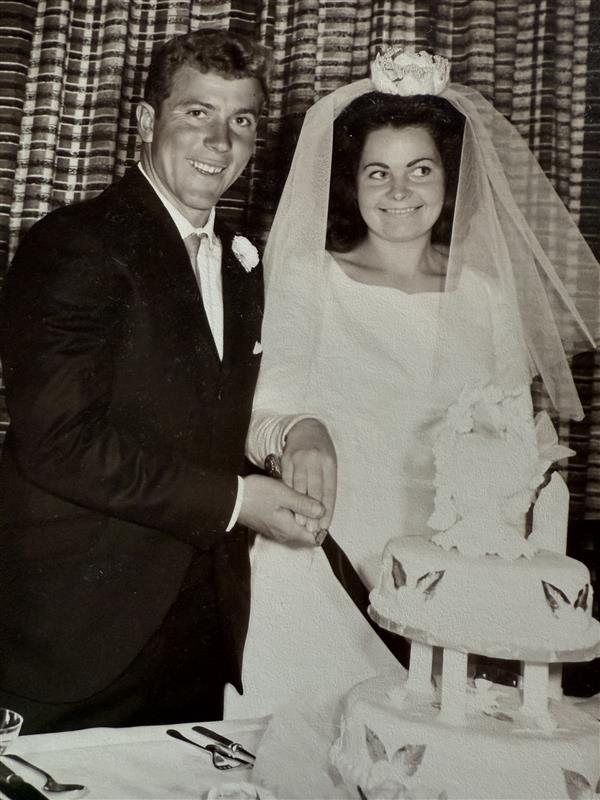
(235, 299)
(242, 300)
(166, 250)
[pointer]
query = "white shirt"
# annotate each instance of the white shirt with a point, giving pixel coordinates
(208, 275)
(207, 269)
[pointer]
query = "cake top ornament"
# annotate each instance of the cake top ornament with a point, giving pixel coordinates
(404, 71)
(490, 458)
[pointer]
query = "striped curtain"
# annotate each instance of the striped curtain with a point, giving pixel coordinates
(71, 72)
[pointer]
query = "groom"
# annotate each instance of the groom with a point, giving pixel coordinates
(130, 340)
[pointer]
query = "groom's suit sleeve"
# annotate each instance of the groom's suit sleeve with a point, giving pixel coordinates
(61, 318)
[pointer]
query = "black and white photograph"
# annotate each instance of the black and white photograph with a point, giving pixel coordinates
(299, 399)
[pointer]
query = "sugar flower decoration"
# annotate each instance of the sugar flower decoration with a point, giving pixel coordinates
(486, 698)
(403, 71)
(245, 252)
(392, 778)
(488, 465)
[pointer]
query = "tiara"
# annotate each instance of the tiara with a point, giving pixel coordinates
(403, 71)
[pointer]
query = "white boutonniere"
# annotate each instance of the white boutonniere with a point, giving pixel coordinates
(245, 252)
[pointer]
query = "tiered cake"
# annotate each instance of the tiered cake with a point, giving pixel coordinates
(481, 585)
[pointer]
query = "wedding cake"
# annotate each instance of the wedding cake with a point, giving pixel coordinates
(492, 580)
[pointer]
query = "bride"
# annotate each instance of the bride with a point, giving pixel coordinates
(404, 264)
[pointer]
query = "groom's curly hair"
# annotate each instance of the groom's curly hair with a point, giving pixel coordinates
(371, 112)
(225, 53)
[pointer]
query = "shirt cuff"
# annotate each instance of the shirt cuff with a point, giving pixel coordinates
(238, 504)
(267, 434)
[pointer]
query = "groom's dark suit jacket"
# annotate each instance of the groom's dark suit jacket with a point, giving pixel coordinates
(127, 433)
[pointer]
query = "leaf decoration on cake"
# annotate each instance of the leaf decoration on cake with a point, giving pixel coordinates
(398, 573)
(582, 597)
(500, 715)
(428, 582)
(578, 786)
(375, 746)
(555, 597)
(408, 758)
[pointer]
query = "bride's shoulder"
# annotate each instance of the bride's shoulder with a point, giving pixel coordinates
(349, 264)
(346, 261)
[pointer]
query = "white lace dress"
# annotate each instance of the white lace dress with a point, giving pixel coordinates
(372, 386)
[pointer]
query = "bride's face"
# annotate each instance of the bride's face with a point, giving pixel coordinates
(400, 183)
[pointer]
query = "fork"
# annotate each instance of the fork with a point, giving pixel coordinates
(51, 784)
(219, 760)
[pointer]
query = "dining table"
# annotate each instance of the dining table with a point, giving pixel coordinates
(291, 746)
(138, 763)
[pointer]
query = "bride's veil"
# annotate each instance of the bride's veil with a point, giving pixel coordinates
(509, 226)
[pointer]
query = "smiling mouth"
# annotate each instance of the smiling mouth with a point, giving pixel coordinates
(400, 212)
(205, 169)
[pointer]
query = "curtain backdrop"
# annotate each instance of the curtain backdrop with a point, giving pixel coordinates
(71, 72)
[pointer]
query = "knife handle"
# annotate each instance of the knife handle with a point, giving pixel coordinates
(234, 747)
(272, 467)
(232, 751)
(15, 788)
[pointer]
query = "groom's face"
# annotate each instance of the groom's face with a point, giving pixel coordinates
(201, 139)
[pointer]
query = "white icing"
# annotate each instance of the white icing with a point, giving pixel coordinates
(474, 605)
(551, 516)
(479, 585)
(497, 753)
(484, 697)
(490, 457)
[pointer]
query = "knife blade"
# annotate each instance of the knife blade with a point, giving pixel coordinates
(350, 580)
(237, 750)
(15, 788)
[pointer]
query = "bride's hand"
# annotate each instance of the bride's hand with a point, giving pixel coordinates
(309, 465)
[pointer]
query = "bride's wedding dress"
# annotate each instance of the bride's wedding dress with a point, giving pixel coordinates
(374, 385)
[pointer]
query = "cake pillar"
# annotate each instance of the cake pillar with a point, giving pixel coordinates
(454, 686)
(419, 669)
(535, 689)
(555, 687)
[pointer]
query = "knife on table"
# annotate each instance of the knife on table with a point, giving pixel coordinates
(15, 788)
(236, 749)
(222, 756)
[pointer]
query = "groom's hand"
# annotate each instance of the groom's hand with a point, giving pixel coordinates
(309, 465)
(270, 507)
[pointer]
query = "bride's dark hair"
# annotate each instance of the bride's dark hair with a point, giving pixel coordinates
(371, 112)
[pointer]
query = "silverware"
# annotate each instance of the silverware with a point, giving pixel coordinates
(51, 784)
(236, 749)
(14, 787)
(221, 759)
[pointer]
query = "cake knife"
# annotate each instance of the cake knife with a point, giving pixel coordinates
(350, 580)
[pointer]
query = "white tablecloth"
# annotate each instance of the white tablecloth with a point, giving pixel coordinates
(292, 749)
(134, 763)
